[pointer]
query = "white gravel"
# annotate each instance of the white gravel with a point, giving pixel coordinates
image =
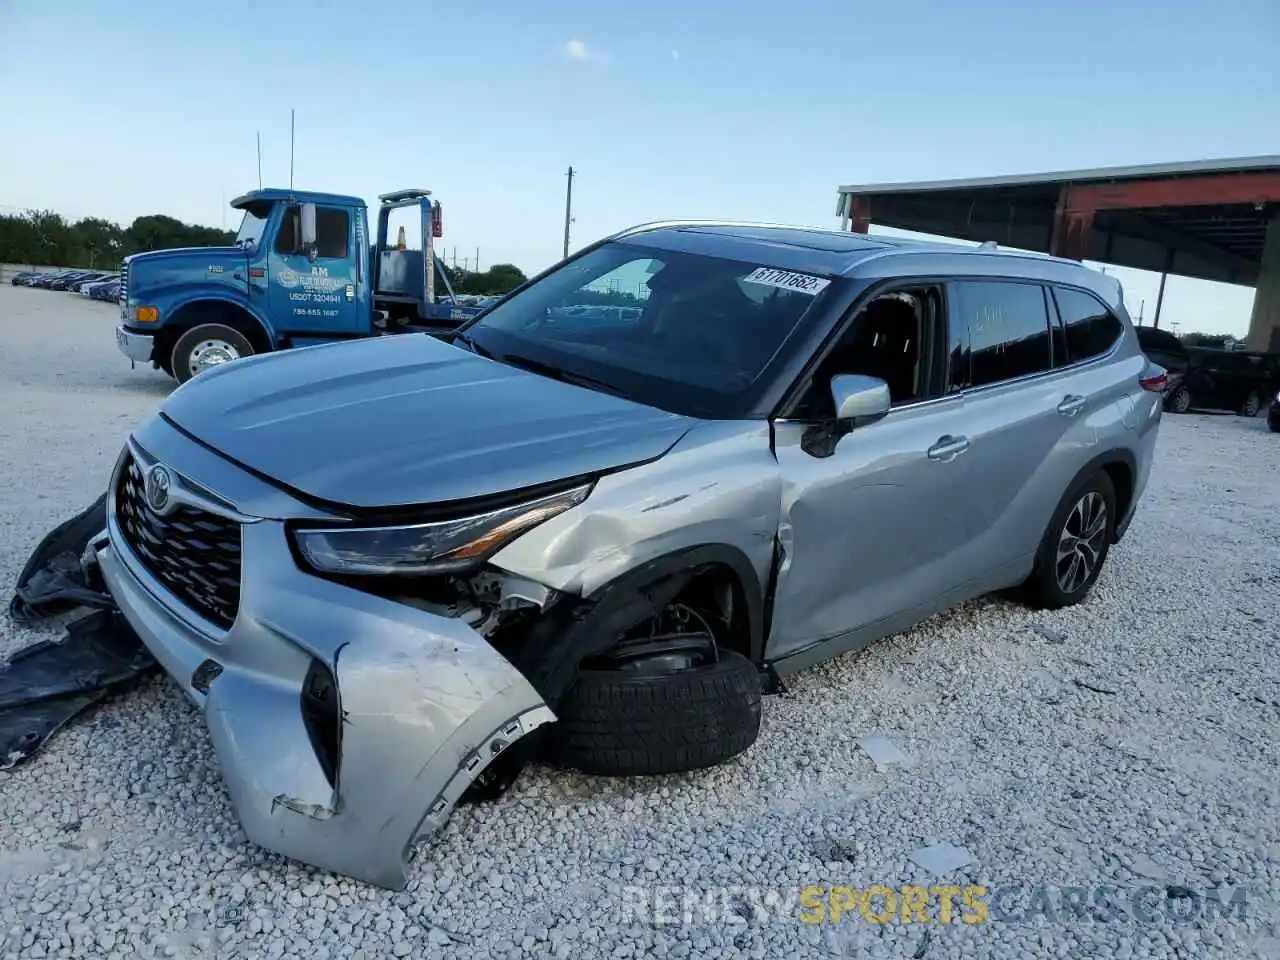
(119, 840)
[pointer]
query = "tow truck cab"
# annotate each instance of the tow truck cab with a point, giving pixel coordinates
(301, 271)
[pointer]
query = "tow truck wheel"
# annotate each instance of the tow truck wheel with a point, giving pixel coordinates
(206, 346)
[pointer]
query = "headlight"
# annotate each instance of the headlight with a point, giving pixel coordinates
(429, 548)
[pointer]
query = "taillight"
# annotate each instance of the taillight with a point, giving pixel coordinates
(1154, 378)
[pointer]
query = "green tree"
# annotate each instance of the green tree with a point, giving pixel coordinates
(45, 237)
(1195, 339)
(499, 278)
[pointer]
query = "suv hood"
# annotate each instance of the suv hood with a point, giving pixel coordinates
(409, 419)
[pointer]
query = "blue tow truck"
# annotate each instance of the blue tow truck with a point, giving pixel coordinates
(301, 272)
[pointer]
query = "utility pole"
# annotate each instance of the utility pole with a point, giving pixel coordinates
(568, 209)
(259, 159)
(477, 259)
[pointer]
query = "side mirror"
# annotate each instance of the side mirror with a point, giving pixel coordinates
(308, 225)
(859, 400)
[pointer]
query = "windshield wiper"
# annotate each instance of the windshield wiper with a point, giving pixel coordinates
(556, 373)
(472, 345)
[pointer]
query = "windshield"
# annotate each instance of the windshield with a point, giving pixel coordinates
(683, 332)
(252, 225)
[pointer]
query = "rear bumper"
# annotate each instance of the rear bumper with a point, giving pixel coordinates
(135, 346)
(425, 704)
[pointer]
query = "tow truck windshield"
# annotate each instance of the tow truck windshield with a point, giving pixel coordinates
(252, 225)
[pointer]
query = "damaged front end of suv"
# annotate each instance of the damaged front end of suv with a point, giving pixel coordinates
(356, 679)
(365, 663)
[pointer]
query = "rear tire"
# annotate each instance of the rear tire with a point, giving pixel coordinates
(1252, 404)
(1075, 545)
(618, 723)
(1180, 400)
(206, 346)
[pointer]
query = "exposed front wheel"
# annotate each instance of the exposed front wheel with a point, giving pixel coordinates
(204, 347)
(662, 703)
(1075, 545)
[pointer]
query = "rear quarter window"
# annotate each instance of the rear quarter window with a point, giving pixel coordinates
(1091, 329)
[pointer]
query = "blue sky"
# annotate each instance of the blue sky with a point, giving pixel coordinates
(746, 110)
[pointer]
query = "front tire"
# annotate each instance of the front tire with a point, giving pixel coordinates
(1075, 545)
(204, 347)
(1252, 404)
(620, 723)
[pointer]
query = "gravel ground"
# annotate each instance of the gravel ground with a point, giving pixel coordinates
(1127, 744)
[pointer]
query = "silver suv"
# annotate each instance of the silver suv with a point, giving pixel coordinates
(665, 473)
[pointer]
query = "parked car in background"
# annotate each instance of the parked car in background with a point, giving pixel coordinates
(80, 276)
(20, 279)
(109, 291)
(59, 280)
(87, 287)
(1162, 347)
(44, 279)
(1225, 380)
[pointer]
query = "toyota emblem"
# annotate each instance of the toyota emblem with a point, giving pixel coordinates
(157, 488)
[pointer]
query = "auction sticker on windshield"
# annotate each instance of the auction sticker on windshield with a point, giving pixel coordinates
(799, 282)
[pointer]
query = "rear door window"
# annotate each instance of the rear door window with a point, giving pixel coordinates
(1008, 328)
(1091, 329)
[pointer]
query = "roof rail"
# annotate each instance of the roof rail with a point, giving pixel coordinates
(669, 224)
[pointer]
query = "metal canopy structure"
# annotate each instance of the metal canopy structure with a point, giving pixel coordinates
(1202, 219)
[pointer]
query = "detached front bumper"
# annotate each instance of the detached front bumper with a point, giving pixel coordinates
(425, 704)
(135, 346)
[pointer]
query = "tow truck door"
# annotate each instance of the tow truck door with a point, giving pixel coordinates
(313, 290)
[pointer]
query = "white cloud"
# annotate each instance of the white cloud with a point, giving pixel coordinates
(579, 51)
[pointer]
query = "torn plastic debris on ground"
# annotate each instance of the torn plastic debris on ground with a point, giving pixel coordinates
(50, 682)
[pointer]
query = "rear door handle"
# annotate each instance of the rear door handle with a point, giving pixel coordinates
(948, 448)
(1071, 405)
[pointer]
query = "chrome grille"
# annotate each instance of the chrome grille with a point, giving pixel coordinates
(194, 553)
(124, 290)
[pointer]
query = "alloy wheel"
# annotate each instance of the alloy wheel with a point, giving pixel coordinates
(1081, 541)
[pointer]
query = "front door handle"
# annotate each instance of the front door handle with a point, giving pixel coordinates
(1071, 405)
(948, 448)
